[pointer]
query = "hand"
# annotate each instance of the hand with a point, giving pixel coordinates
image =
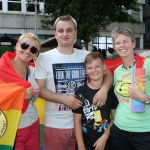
(100, 97)
(136, 92)
(100, 143)
(36, 89)
(29, 93)
(71, 101)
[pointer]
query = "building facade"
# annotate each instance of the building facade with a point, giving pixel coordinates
(104, 42)
(146, 19)
(18, 17)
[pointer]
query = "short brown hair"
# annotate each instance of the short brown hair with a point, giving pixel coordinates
(92, 56)
(65, 18)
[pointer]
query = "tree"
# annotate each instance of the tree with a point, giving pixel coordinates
(91, 15)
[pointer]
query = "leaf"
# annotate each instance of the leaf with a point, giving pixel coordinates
(91, 15)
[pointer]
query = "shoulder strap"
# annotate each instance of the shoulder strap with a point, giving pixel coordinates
(139, 61)
(27, 74)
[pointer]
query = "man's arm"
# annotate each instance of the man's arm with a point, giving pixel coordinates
(101, 96)
(48, 95)
(78, 131)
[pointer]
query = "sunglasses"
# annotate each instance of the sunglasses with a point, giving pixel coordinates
(25, 46)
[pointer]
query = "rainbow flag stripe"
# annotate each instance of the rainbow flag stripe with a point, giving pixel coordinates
(40, 105)
(12, 103)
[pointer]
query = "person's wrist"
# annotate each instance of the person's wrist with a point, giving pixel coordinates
(147, 99)
(81, 147)
(104, 88)
(142, 98)
(63, 99)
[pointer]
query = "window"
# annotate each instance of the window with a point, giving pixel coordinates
(43, 38)
(148, 26)
(137, 47)
(31, 8)
(1, 5)
(136, 15)
(14, 5)
(15, 36)
(148, 2)
(102, 43)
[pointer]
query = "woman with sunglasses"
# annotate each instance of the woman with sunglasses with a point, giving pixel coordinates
(27, 47)
(131, 128)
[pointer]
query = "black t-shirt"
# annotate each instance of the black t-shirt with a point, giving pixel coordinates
(94, 119)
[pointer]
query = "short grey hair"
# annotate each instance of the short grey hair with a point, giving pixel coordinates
(122, 30)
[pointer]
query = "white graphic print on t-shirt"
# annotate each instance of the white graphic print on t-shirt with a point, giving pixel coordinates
(67, 78)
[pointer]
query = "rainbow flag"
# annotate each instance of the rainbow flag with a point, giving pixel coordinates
(113, 64)
(40, 105)
(12, 103)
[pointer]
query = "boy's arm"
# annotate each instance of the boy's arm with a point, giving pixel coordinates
(51, 96)
(78, 131)
(101, 96)
(101, 142)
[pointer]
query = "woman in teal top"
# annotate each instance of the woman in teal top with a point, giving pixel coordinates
(130, 129)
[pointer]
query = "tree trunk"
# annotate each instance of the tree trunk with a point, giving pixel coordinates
(86, 45)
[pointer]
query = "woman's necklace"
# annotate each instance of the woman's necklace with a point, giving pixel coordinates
(129, 66)
(23, 75)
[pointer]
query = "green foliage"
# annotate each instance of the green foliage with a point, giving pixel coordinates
(91, 15)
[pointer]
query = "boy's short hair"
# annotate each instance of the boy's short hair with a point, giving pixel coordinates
(32, 36)
(93, 56)
(65, 18)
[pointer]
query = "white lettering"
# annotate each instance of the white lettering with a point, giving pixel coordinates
(68, 74)
(62, 86)
(82, 74)
(75, 74)
(59, 74)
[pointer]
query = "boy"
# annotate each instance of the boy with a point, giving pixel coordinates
(92, 123)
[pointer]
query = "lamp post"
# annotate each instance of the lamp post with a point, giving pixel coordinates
(35, 3)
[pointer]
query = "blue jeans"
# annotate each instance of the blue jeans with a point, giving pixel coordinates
(124, 140)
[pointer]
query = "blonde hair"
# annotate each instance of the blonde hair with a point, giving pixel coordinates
(32, 36)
